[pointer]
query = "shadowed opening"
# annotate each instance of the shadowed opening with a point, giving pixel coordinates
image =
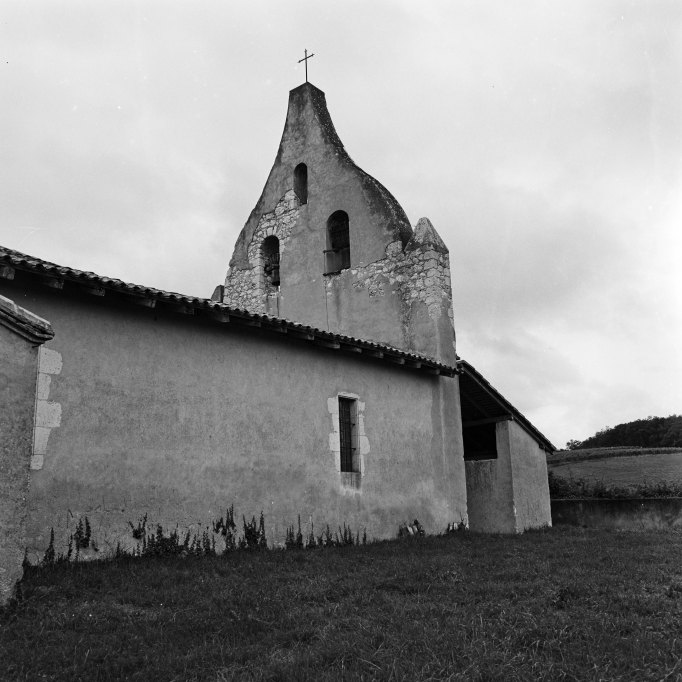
(301, 182)
(480, 441)
(337, 254)
(271, 260)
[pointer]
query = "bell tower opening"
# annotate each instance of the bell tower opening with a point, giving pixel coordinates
(301, 183)
(337, 253)
(270, 251)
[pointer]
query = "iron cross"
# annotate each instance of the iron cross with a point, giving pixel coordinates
(305, 59)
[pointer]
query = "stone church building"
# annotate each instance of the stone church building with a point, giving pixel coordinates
(321, 379)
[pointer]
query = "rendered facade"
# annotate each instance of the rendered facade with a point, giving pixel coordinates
(321, 379)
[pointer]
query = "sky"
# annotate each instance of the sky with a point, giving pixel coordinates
(542, 139)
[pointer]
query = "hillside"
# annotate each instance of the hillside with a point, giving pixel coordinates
(652, 432)
(582, 455)
(626, 471)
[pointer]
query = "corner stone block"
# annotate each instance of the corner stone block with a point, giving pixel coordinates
(40, 436)
(332, 406)
(48, 414)
(43, 388)
(49, 361)
(335, 442)
(363, 443)
(36, 462)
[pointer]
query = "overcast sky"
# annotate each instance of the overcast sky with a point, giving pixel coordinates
(542, 139)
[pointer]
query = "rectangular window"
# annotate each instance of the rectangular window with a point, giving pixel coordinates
(348, 433)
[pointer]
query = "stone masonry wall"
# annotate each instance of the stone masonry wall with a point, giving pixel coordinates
(422, 275)
(248, 288)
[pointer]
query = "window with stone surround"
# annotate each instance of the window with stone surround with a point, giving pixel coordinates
(301, 182)
(270, 251)
(348, 434)
(337, 253)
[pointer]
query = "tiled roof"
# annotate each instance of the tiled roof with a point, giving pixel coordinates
(482, 402)
(57, 276)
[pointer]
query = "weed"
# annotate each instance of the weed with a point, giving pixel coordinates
(562, 604)
(294, 540)
(82, 534)
(254, 534)
(226, 527)
(49, 557)
(139, 531)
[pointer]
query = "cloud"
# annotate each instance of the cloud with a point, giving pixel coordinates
(542, 140)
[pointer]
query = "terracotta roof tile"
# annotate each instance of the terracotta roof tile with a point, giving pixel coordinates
(37, 267)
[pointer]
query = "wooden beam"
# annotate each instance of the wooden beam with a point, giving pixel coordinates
(181, 308)
(144, 301)
(93, 290)
(395, 358)
(53, 282)
(489, 420)
(219, 315)
(6, 272)
(327, 344)
(463, 395)
(249, 322)
(300, 334)
(351, 349)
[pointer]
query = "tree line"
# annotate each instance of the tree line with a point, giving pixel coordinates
(652, 432)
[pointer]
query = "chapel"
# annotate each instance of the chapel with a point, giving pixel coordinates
(320, 380)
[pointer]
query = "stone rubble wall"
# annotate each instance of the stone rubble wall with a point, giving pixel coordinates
(421, 275)
(248, 289)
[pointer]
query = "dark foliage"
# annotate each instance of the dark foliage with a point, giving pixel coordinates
(254, 534)
(652, 432)
(572, 488)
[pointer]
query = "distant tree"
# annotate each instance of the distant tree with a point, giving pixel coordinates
(652, 432)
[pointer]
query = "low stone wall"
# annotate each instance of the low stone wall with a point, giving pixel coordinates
(641, 513)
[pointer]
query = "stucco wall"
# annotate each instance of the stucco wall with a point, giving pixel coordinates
(178, 419)
(511, 493)
(18, 369)
(490, 497)
(531, 487)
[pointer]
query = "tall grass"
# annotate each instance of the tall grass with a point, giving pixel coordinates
(559, 604)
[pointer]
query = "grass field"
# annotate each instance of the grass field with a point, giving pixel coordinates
(563, 456)
(561, 604)
(625, 470)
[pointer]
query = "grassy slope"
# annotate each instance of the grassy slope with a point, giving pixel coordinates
(547, 605)
(625, 469)
(563, 456)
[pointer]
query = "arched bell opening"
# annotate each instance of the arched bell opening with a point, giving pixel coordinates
(337, 253)
(301, 183)
(270, 251)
